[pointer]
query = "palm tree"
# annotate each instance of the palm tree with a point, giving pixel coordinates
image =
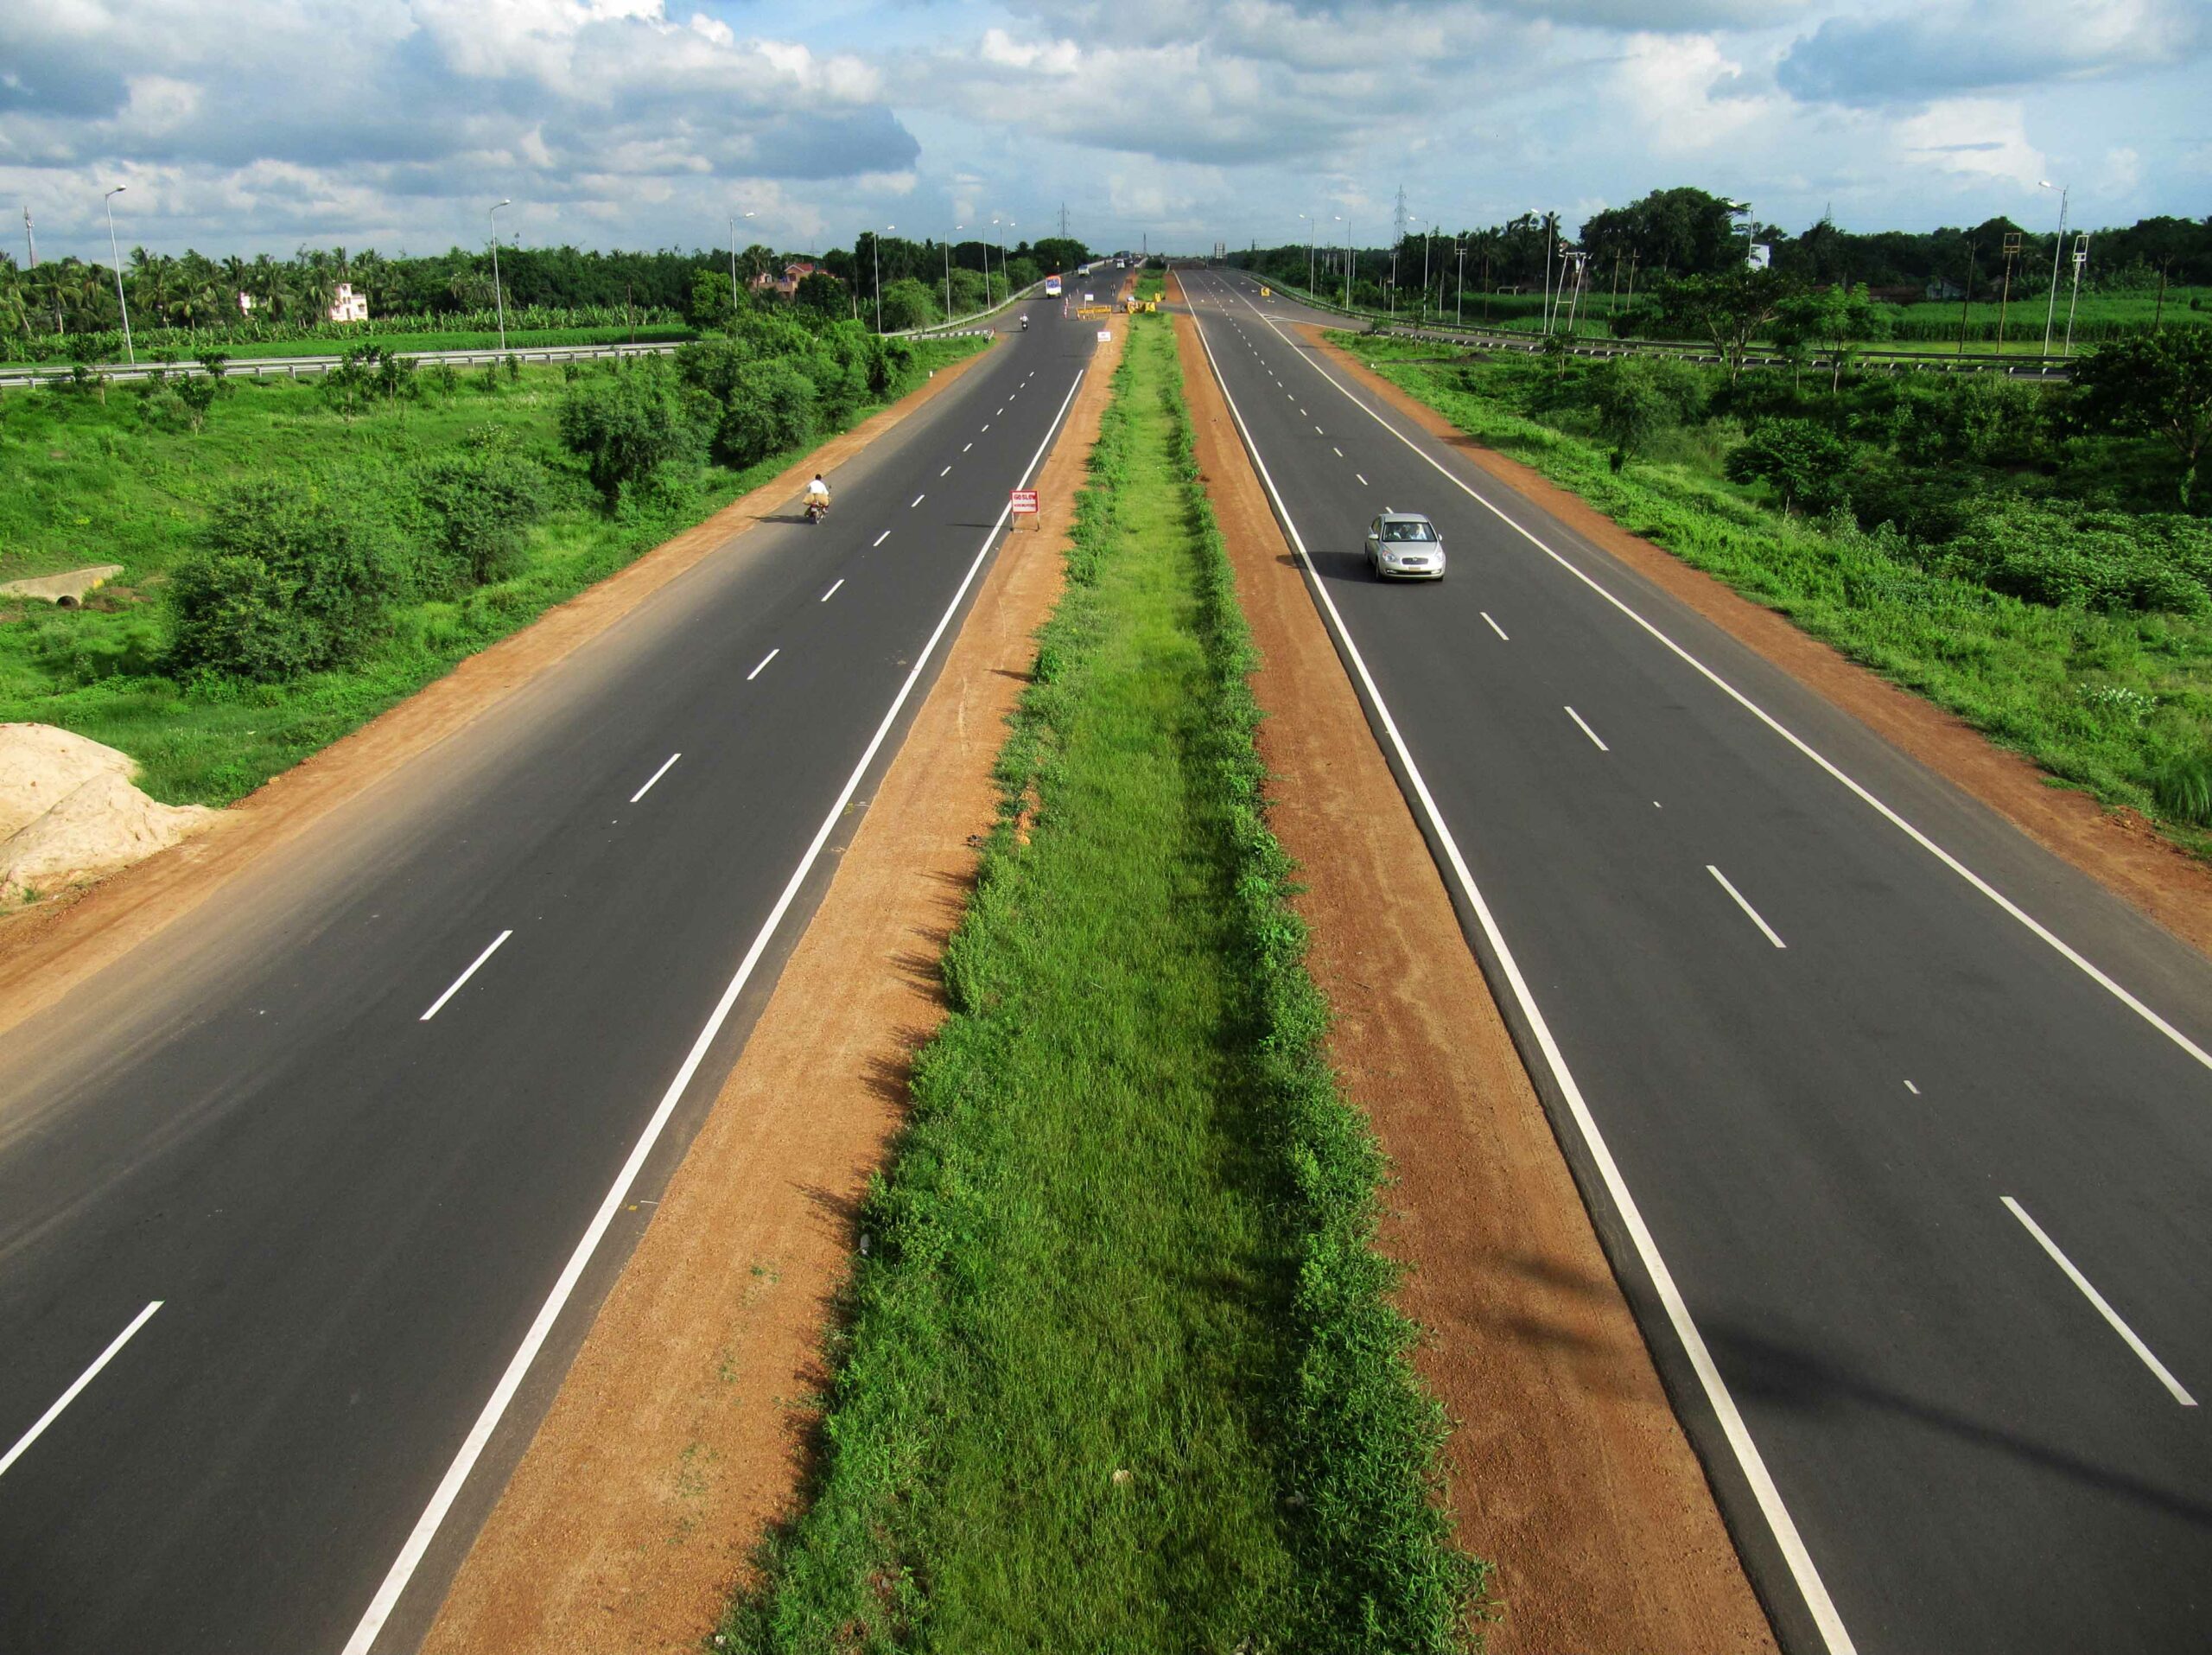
(237, 275)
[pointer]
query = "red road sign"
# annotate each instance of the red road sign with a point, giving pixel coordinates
(1025, 502)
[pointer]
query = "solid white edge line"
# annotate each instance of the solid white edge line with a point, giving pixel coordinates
(832, 592)
(2105, 1310)
(765, 659)
(1587, 731)
(1752, 913)
(1739, 1435)
(82, 1380)
(461, 981)
(1494, 627)
(658, 773)
(2065, 950)
(426, 1527)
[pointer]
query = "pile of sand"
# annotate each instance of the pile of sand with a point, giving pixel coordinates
(69, 813)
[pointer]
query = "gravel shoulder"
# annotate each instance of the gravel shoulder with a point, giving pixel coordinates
(1567, 1468)
(684, 1427)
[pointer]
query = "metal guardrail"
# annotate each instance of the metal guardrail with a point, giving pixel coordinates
(957, 328)
(2037, 368)
(292, 367)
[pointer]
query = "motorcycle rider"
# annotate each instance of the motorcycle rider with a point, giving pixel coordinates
(817, 497)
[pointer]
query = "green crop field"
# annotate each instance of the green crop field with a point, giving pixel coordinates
(122, 478)
(1119, 1373)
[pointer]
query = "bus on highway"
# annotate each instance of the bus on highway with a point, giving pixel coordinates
(1053, 286)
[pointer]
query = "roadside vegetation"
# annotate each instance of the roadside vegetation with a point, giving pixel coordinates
(298, 555)
(2036, 558)
(1152, 283)
(172, 346)
(1118, 1371)
(1640, 262)
(67, 310)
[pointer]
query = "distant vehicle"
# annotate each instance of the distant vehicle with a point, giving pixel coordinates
(1052, 287)
(1405, 544)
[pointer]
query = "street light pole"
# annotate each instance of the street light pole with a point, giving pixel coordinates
(498, 293)
(875, 260)
(2058, 248)
(733, 266)
(1459, 288)
(1551, 237)
(107, 205)
(2081, 257)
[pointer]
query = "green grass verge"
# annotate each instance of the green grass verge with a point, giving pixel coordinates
(1118, 1372)
(1152, 282)
(82, 482)
(2119, 704)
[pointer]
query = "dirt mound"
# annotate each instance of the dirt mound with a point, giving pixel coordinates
(68, 812)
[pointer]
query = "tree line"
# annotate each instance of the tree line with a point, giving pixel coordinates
(1685, 231)
(192, 292)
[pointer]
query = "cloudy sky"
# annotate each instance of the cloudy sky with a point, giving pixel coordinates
(250, 126)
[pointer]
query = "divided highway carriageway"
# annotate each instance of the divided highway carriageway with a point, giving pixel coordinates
(1898, 1130)
(303, 1209)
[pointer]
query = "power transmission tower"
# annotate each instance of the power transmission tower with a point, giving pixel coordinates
(1399, 219)
(1063, 220)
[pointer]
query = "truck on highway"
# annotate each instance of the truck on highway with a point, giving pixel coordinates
(1053, 286)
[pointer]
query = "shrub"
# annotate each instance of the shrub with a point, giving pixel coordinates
(2184, 788)
(1629, 404)
(284, 585)
(1804, 463)
(907, 303)
(769, 408)
(627, 425)
(2067, 556)
(480, 505)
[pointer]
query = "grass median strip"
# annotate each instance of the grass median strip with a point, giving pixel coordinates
(1119, 1371)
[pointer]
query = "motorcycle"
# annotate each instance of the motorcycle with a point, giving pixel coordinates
(817, 509)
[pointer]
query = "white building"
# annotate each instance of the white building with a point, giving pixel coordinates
(349, 306)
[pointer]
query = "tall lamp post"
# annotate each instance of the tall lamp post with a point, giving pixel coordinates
(875, 262)
(2081, 257)
(115, 254)
(2058, 248)
(1551, 236)
(498, 293)
(732, 263)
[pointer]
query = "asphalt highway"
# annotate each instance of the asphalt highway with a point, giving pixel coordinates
(291, 1199)
(1898, 1130)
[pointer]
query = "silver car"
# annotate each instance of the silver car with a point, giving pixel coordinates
(1405, 544)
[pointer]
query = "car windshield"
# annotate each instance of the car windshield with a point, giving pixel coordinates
(1408, 531)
